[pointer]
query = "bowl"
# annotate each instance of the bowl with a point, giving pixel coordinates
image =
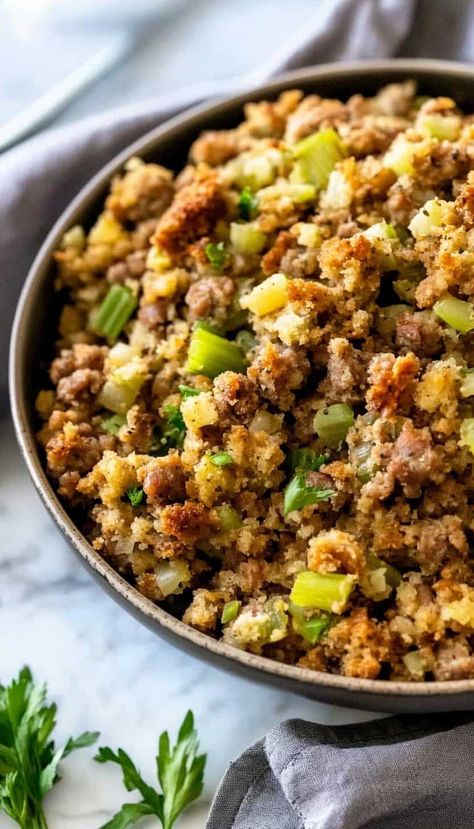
(30, 347)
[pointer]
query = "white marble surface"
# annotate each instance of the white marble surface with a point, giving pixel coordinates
(106, 671)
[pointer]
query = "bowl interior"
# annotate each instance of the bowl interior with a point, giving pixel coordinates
(36, 323)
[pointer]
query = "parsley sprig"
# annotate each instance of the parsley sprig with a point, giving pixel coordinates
(180, 773)
(29, 760)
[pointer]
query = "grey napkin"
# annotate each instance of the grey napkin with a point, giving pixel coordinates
(393, 773)
(405, 772)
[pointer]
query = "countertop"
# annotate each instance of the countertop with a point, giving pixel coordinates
(103, 668)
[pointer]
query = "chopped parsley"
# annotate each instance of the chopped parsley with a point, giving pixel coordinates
(305, 460)
(298, 494)
(221, 459)
(217, 255)
(188, 391)
(248, 204)
(135, 495)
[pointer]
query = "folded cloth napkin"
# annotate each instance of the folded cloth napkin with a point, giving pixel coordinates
(404, 772)
(40, 176)
(393, 773)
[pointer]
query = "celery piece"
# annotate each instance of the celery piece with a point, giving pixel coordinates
(466, 433)
(209, 325)
(379, 579)
(247, 238)
(333, 423)
(387, 319)
(230, 611)
(298, 494)
(114, 423)
(312, 629)
(115, 311)
(229, 519)
(221, 459)
(324, 591)
(210, 354)
(188, 391)
(415, 664)
(467, 385)
(246, 341)
(120, 390)
(441, 127)
(316, 156)
(366, 468)
(456, 312)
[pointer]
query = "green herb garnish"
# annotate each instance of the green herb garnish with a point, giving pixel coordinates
(217, 255)
(248, 204)
(221, 459)
(113, 424)
(305, 460)
(175, 428)
(230, 611)
(29, 760)
(180, 773)
(188, 391)
(298, 494)
(135, 495)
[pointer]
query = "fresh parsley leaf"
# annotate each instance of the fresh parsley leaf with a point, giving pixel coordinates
(217, 255)
(180, 773)
(298, 494)
(135, 495)
(188, 391)
(248, 204)
(172, 434)
(221, 459)
(29, 761)
(305, 460)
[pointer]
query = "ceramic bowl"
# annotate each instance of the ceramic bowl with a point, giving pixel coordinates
(31, 346)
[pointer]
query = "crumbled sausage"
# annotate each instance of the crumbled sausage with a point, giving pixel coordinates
(209, 296)
(236, 397)
(164, 480)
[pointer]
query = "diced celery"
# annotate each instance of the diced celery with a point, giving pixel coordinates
(229, 518)
(379, 579)
(247, 238)
(255, 172)
(172, 576)
(316, 156)
(309, 235)
(211, 355)
(431, 218)
(366, 467)
(467, 385)
(415, 664)
(230, 611)
(466, 433)
(333, 423)
(387, 319)
(384, 236)
(339, 193)
(115, 311)
(221, 459)
(246, 341)
(456, 312)
(441, 127)
(324, 591)
(120, 390)
(296, 192)
(312, 629)
(114, 423)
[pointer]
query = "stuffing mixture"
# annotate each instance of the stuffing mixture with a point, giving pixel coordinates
(261, 409)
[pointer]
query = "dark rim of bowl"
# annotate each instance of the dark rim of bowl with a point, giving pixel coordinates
(144, 607)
